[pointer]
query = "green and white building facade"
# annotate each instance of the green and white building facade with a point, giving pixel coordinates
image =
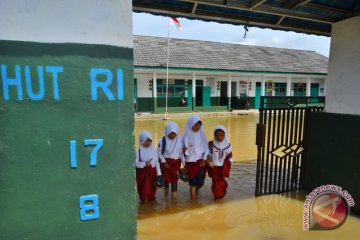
(222, 74)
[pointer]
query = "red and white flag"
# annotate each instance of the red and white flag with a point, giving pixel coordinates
(175, 22)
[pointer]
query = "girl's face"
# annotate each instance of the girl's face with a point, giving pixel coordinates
(197, 126)
(171, 135)
(219, 135)
(147, 143)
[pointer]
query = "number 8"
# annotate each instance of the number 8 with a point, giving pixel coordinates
(86, 207)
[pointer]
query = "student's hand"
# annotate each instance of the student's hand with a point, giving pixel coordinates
(211, 164)
(203, 163)
(166, 165)
(148, 163)
(209, 158)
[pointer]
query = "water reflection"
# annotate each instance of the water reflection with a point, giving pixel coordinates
(241, 131)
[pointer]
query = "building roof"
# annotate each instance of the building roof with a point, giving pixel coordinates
(194, 54)
(306, 16)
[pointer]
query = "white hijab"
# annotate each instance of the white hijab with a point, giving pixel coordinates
(173, 146)
(221, 145)
(194, 142)
(148, 153)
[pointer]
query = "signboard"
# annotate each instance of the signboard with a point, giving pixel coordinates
(243, 87)
(66, 141)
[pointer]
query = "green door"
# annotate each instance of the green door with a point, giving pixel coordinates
(206, 96)
(314, 90)
(257, 95)
(189, 97)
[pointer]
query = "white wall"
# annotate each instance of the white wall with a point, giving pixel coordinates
(343, 82)
(144, 77)
(107, 22)
(143, 85)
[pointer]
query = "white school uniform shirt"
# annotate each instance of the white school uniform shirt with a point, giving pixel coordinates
(195, 143)
(173, 147)
(221, 149)
(146, 154)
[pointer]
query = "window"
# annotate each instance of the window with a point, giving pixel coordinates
(177, 89)
(299, 89)
(280, 89)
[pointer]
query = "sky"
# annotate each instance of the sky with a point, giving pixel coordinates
(150, 25)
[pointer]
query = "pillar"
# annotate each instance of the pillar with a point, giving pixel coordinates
(263, 93)
(229, 92)
(288, 86)
(308, 87)
(342, 83)
(154, 91)
(193, 92)
(333, 135)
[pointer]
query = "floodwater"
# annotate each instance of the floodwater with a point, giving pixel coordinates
(241, 132)
(239, 215)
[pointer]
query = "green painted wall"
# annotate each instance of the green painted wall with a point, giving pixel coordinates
(145, 105)
(333, 153)
(215, 101)
(252, 103)
(39, 190)
(236, 102)
(172, 102)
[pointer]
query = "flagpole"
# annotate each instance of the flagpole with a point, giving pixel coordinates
(167, 74)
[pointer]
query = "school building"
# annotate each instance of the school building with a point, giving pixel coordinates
(214, 76)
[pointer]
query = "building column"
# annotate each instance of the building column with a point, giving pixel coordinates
(308, 87)
(193, 92)
(154, 92)
(342, 84)
(288, 86)
(229, 92)
(263, 85)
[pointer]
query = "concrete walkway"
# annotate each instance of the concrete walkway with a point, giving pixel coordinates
(201, 114)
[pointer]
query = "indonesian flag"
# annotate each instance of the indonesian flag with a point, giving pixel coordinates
(175, 22)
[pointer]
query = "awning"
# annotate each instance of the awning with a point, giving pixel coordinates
(305, 16)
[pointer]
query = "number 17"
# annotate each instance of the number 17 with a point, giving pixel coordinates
(87, 142)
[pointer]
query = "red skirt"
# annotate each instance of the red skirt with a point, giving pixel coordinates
(171, 174)
(193, 168)
(226, 168)
(145, 184)
(219, 184)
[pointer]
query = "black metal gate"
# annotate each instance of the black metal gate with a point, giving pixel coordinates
(280, 140)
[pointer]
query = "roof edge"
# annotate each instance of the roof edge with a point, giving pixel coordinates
(226, 70)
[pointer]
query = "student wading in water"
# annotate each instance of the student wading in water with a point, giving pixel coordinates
(196, 150)
(219, 165)
(147, 167)
(171, 156)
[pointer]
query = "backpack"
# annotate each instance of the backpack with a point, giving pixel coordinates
(163, 145)
(211, 146)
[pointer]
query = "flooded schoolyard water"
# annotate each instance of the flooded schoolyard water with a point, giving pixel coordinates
(241, 131)
(239, 215)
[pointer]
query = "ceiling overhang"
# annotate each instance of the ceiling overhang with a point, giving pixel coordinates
(304, 16)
